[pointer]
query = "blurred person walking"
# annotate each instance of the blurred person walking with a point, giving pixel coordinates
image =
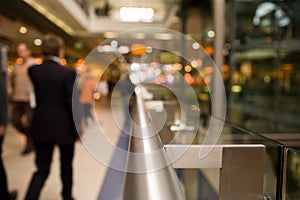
(88, 88)
(4, 194)
(52, 122)
(21, 87)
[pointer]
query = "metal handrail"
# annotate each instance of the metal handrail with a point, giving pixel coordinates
(149, 175)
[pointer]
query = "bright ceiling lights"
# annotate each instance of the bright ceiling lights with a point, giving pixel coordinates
(23, 30)
(211, 34)
(37, 42)
(134, 14)
(163, 36)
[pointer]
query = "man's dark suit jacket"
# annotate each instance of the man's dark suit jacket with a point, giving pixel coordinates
(52, 119)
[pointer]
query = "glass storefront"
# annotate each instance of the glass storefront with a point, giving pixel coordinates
(264, 44)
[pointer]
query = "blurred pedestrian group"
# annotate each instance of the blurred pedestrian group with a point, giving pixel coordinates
(42, 98)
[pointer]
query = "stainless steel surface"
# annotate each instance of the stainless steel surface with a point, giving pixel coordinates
(187, 156)
(241, 167)
(149, 175)
(242, 172)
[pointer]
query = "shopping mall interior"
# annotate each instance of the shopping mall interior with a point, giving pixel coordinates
(218, 80)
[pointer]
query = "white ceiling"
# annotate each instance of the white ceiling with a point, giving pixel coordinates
(78, 18)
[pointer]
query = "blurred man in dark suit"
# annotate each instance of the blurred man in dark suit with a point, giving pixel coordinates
(52, 122)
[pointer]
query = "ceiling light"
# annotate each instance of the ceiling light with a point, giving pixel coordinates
(23, 30)
(37, 42)
(163, 36)
(133, 14)
(124, 49)
(196, 45)
(110, 34)
(211, 34)
(114, 43)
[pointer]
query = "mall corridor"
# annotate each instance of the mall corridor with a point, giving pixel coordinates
(218, 118)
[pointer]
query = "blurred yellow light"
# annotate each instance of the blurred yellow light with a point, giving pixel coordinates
(236, 88)
(188, 68)
(267, 79)
(97, 96)
(203, 96)
(10, 68)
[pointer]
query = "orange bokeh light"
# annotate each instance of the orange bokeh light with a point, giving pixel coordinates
(188, 78)
(39, 60)
(209, 50)
(63, 62)
(138, 49)
(19, 60)
(225, 68)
